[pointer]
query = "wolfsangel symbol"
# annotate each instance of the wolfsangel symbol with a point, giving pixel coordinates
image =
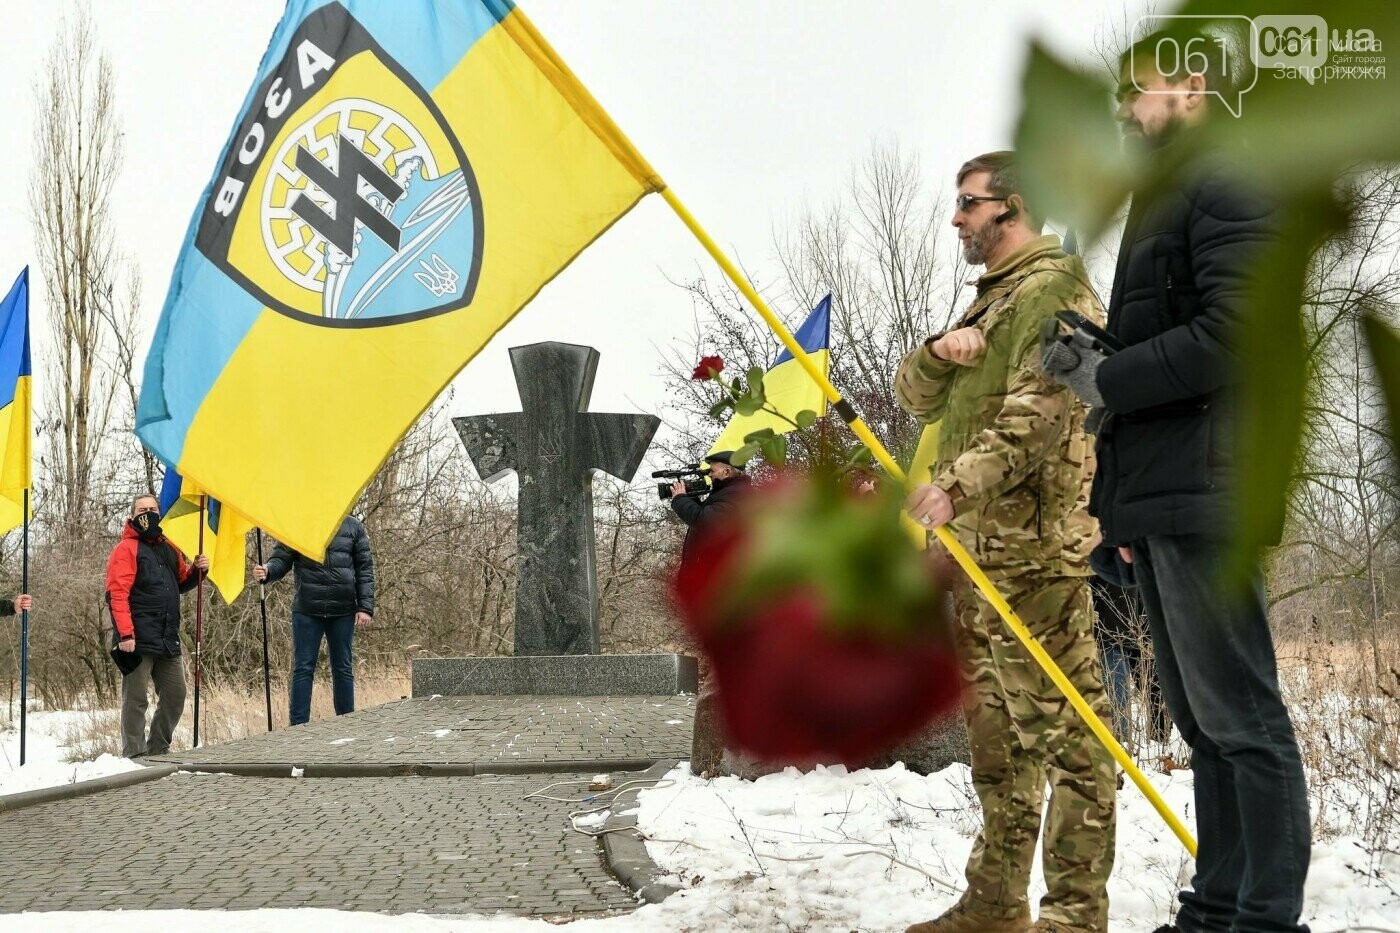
(334, 220)
(336, 206)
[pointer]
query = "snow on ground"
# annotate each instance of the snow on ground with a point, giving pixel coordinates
(873, 850)
(45, 750)
(819, 850)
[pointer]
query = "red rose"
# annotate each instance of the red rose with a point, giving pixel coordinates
(708, 368)
(790, 689)
(798, 678)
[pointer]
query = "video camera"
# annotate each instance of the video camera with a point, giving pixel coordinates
(692, 474)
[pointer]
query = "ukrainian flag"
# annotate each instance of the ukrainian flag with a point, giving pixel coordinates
(16, 418)
(225, 532)
(786, 385)
(401, 180)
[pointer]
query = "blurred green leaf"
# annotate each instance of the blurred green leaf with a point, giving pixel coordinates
(743, 455)
(861, 456)
(775, 450)
(762, 434)
(1301, 136)
(748, 405)
(1072, 165)
(722, 406)
(1274, 361)
(806, 418)
(1384, 345)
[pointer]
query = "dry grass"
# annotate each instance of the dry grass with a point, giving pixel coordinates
(1345, 700)
(229, 713)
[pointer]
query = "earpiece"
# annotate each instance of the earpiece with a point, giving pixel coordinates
(1006, 215)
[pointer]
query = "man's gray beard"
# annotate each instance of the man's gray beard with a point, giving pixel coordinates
(981, 244)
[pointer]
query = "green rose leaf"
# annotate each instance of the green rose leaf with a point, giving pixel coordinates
(775, 450)
(806, 418)
(1274, 359)
(756, 384)
(743, 455)
(748, 405)
(1072, 165)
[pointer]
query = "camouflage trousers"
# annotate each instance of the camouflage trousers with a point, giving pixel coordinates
(1022, 732)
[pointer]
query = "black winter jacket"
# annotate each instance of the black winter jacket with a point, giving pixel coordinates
(1165, 457)
(144, 583)
(701, 514)
(341, 586)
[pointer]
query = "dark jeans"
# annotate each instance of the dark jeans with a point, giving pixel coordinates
(307, 632)
(1215, 658)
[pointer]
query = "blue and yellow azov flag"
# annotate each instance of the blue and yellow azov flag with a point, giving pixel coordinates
(16, 419)
(402, 179)
(225, 532)
(786, 384)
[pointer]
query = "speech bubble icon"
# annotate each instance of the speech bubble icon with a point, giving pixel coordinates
(1288, 41)
(1219, 47)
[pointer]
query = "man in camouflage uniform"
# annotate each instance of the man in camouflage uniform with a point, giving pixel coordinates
(1011, 482)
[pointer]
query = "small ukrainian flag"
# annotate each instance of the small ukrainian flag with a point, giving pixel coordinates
(225, 532)
(16, 418)
(786, 385)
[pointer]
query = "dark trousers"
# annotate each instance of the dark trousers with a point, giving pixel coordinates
(307, 633)
(167, 674)
(1215, 658)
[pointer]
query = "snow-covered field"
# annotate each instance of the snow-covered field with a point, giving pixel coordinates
(825, 850)
(45, 750)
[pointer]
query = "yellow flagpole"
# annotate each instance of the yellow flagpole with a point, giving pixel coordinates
(849, 415)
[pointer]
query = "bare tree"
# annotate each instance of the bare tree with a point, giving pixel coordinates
(123, 323)
(893, 280)
(77, 155)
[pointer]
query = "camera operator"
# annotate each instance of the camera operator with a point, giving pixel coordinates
(727, 483)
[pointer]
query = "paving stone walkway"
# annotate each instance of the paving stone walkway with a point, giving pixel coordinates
(436, 844)
(474, 729)
(446, 845)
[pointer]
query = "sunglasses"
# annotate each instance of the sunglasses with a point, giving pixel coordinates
(964, 202)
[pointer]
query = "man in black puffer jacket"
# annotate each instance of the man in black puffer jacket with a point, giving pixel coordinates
(1162, 494)
(329, 601)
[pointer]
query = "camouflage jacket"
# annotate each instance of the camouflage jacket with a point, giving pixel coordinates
(1012, 451)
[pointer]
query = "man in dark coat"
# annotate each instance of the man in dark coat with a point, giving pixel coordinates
(728, 484)
(1163, 491)
(146, 574)
(329, 600)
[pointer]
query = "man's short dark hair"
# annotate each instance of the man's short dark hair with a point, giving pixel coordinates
(1224, 53)
(144, 495)
(1003, 179)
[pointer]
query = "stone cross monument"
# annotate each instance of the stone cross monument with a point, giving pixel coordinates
(555, 445)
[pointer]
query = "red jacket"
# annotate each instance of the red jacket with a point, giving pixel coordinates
(144, 583)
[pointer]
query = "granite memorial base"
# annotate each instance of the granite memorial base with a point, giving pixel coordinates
(557, 675)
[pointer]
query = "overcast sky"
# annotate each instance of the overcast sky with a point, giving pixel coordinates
(748, 109)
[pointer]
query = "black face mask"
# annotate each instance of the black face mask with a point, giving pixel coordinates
(147, 525)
